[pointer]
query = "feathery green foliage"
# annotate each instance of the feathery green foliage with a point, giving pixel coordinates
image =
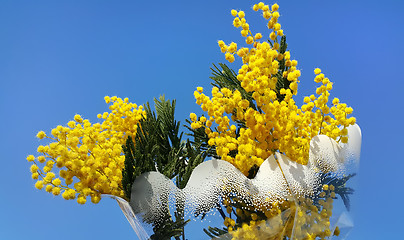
(168, 229)
(215, 232)
(158, 146)
(339, 184)
(200, 140)
(282, 82)
(227, 78)
(129, 175)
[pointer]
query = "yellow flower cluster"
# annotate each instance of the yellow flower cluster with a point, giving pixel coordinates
(240, 22)
(275, 124)
(312, 220)
(88, 156)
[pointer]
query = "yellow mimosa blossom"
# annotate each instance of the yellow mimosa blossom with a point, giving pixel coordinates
(276, 123)
(85, 159)
(307, 219)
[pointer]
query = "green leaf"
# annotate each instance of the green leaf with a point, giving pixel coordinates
(227, 78)
(339, 184)
(214, 232)
(168, 228)
(128, 175)
(200, 140)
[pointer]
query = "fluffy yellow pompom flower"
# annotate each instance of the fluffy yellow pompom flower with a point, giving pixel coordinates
(56, 191)
(241, 14)
(39, 185)
(41, 135)
(272, 36)
(199, 89)
(34, 168)
(193, 117)
(249, 40)
(258, 36)
(229, 57)
(78, 118)
(30, 158)
(233, 12)
(275, 7)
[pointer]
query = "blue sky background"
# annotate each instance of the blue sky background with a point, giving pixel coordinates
(59, 58)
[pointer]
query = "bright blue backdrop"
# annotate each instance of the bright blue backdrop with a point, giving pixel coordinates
(59, 58)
